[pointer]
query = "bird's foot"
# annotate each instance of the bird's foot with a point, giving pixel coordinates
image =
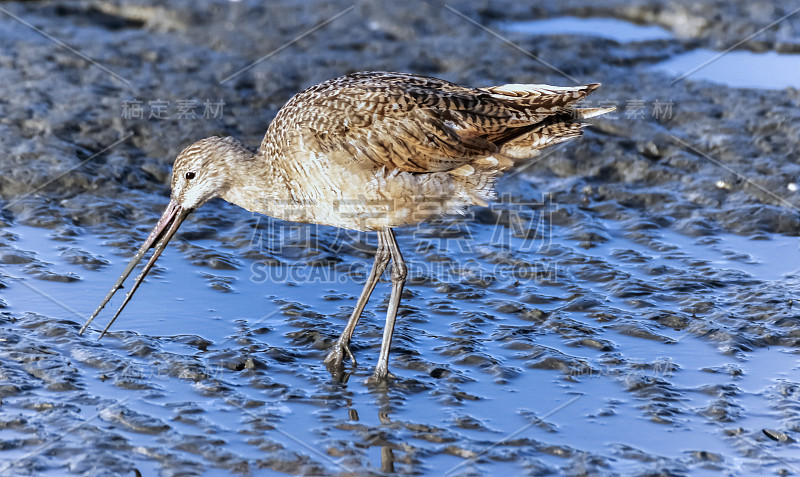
(381, 375)
(335, 358)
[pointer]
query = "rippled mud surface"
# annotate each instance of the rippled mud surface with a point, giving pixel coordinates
(626, 307)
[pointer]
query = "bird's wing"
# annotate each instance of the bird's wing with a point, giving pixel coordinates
(421, 124)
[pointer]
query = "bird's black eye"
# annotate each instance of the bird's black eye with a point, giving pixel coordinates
(189, 175)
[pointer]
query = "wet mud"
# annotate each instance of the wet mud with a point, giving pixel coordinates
(626, 307)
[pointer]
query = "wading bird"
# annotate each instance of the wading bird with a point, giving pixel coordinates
(370, 152)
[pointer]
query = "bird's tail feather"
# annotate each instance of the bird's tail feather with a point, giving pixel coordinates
(586, 113)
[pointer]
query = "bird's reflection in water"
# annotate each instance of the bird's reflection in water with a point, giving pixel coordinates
(381, 438)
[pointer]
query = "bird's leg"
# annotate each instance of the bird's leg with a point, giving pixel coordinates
(341, 348)
(399, 272)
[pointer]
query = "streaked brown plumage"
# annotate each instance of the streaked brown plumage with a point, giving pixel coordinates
(371, 151)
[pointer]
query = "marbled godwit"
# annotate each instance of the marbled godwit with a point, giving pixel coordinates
(370, 152)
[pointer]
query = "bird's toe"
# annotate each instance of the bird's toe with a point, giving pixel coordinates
(381, 375)
(335, 358)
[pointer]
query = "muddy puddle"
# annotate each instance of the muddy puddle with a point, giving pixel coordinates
(628, 306)
(611, 28)
(738, 69)
(588, 366)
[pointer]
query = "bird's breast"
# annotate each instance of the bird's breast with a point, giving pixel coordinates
(323, 189)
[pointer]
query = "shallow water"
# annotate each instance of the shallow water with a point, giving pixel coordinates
(738, 69)
(195, 377)
(618, 327)
(611, 28)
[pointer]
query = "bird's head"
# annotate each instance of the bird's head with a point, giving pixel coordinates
(201, 170)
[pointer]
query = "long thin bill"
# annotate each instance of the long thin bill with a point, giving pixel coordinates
(180, 215)
(170, 220)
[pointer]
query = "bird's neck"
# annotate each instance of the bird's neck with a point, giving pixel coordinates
(256, 184)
